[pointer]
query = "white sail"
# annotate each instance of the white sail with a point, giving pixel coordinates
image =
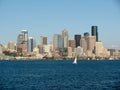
(75, 61)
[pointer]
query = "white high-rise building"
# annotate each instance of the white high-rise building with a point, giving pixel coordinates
(25, 35)
(99, 48)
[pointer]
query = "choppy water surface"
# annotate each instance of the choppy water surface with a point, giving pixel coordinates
(59, 75)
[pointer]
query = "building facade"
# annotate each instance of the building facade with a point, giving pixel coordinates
(43, 40)
(57, 42)
(77, 40)
(94, 32)
(99, 48)
(11, 46)
(83, 42)
(22, 42)
(91, 43)
(72, 44)
(65, 38)
(31, 44)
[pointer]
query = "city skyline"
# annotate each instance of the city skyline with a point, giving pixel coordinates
(49, 17)
(85, 47)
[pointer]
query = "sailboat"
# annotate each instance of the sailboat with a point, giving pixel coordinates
(75, 61)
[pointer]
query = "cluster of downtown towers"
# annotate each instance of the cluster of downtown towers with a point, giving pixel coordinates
(60, 42)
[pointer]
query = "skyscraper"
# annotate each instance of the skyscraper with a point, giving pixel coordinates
(22, 42)
(94, 32)
(25, 35)
(77, 40)
(25, 39)
(31, 44)
(99, 48)
(57, 41)
(43, 40)
(20, 39)
(83, 43)
(91, 43)
(65, 38)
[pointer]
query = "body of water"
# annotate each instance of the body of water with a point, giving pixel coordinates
(60, 75)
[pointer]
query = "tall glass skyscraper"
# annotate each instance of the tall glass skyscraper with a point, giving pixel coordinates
(31, 44)
(94, 32)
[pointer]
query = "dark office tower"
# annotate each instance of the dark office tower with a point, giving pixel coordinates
(77, 40)
(94, 31)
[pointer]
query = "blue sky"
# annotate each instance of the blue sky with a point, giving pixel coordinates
(47, 17)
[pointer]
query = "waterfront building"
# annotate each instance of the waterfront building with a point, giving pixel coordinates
(89, 53)
(83, 44)
(79, 51)
(65, 38)
(72, 44)
(111, 51)
(77, 40)
(116, 54)
(36, 50)
(11, 46)
(94, 32)
(22, 48)
(47, 49)
(99, 49)
(106, 52)
(91, 43)
(70, 55)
